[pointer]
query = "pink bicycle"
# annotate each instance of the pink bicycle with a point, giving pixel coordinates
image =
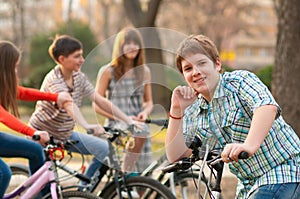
(54, 152)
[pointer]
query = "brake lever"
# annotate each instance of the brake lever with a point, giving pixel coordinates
(242, 155)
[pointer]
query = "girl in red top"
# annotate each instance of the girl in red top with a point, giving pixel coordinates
(11, 145)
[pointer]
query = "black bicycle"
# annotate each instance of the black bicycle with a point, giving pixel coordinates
(208, 184)
(109, 181)
(180, 182)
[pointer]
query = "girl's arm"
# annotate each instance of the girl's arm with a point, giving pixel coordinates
(14, 123)
(17, 125)
(30, 94)
(101, 88)
(110, 108)
(148, 101)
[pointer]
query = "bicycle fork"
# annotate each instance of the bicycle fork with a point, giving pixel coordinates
(216, 189)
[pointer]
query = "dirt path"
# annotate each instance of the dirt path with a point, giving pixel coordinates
(228, 187)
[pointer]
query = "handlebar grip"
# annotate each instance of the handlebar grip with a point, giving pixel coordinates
(170, 168)
(183, 164)
(90, 131)
(83, 177)
(158, 122)
(243, 155)
(36, 137)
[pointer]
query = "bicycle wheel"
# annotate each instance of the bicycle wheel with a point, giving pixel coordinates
(78, 194)
(20, 174)
(138, 187)
(75, 195)
(185, 187)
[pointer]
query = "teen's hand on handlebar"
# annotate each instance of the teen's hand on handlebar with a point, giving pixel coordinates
(43, 137)
(63, 98)
(232, 151)
(98, 130)
(136, 122)
(142, 116)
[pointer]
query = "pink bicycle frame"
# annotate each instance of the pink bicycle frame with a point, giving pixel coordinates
(35, 183)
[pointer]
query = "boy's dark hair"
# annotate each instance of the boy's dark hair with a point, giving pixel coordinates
(63, 45)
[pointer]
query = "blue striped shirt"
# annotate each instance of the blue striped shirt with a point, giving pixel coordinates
(227, 119)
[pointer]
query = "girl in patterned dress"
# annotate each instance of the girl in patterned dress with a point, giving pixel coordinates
(126, 82)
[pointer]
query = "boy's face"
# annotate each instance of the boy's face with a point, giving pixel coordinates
(201, 73)
(73, 61)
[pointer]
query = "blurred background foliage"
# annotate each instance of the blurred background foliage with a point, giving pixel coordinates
(40, 61)
(260, 36)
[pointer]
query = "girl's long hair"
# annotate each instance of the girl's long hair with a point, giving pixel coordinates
(9, 55)
(118, 57)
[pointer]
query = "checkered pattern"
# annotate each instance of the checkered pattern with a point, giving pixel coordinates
(128, 96)
(228, 117)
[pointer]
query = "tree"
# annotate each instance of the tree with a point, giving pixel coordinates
(286, 76)
(220, 20)
(143, 14)
(40, 60)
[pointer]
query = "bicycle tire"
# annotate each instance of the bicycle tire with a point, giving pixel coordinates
(19, 169)
(20, 173)
(75, 195)
(141, 185)
(185, 186)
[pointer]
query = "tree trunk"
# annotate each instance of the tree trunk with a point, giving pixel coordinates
(154, 59)
(70, 18)
(286, 76)
(160, 91)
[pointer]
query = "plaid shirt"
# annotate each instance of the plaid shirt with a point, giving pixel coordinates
(227, 119)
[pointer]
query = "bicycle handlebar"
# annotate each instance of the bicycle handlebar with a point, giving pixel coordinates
(183, 164)
(186, 163)
(158, 122)
(36, 137)
(243, 155)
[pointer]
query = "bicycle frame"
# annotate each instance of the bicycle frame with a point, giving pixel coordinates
(110, 162)
(212, 159)
(161, 177)
(47, 173)
(36, 182)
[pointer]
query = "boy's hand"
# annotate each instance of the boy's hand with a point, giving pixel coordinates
(232, 151)
(98, 130)
(183, 96)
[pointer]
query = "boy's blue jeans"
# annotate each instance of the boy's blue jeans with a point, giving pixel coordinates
(277, 191)
(15, 146)
(90, 145)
